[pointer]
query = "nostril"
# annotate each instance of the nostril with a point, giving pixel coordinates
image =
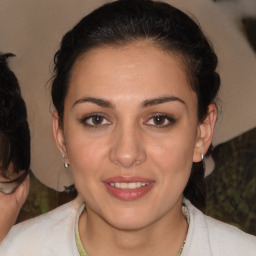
(127, 160)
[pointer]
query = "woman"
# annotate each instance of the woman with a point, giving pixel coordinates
(134, 94)
(14, 148)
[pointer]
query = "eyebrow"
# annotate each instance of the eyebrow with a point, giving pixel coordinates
(147, 103)
(156, 101)
(97, 101)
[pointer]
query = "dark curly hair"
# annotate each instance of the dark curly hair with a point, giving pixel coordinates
(124, 22)
(14, 129)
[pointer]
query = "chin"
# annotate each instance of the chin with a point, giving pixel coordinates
(129, 225)
(129, 220)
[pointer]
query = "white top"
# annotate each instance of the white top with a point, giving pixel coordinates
(54, 234)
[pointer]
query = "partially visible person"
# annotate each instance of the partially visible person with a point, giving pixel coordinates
(14, 148)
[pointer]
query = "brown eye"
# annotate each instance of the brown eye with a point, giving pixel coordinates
(161, 121)
(95, 121)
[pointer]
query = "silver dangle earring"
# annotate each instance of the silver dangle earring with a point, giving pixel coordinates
(203, 161)
(66, 165)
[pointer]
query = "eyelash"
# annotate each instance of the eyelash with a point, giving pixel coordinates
(166, 118)
(85, 120)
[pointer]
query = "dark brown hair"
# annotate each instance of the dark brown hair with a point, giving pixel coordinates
(14, 129)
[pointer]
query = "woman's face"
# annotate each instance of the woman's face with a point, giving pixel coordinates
(130, 133)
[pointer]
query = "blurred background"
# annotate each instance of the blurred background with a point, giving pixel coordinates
(33, 29)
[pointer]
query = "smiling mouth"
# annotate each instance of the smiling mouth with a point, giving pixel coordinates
(128, 189)
(129, 185)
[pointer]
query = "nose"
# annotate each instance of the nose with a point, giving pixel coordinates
(127, 148)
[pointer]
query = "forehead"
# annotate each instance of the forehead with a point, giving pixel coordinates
(132, 70)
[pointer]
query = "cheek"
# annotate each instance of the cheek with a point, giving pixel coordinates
(86, 158)
(173, 149)
(173, 157)
(85, 154)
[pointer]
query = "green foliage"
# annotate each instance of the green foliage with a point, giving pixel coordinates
(231, 195)
(41, 199)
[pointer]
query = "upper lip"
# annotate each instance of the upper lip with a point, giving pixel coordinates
(127, 179)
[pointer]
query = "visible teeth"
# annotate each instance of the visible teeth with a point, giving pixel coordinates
(129, 185)
(132, 185)
(123, 185)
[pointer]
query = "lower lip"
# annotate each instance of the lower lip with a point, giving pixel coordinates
(128, 194)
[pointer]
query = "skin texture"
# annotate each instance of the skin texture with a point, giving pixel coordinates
(129, 142)
(10, 206)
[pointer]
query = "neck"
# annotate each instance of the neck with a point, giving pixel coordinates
(165, 235)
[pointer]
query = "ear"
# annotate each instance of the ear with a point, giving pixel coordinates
(58, 134)
(205, 133)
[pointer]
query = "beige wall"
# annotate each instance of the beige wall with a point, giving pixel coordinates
(32, 29)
